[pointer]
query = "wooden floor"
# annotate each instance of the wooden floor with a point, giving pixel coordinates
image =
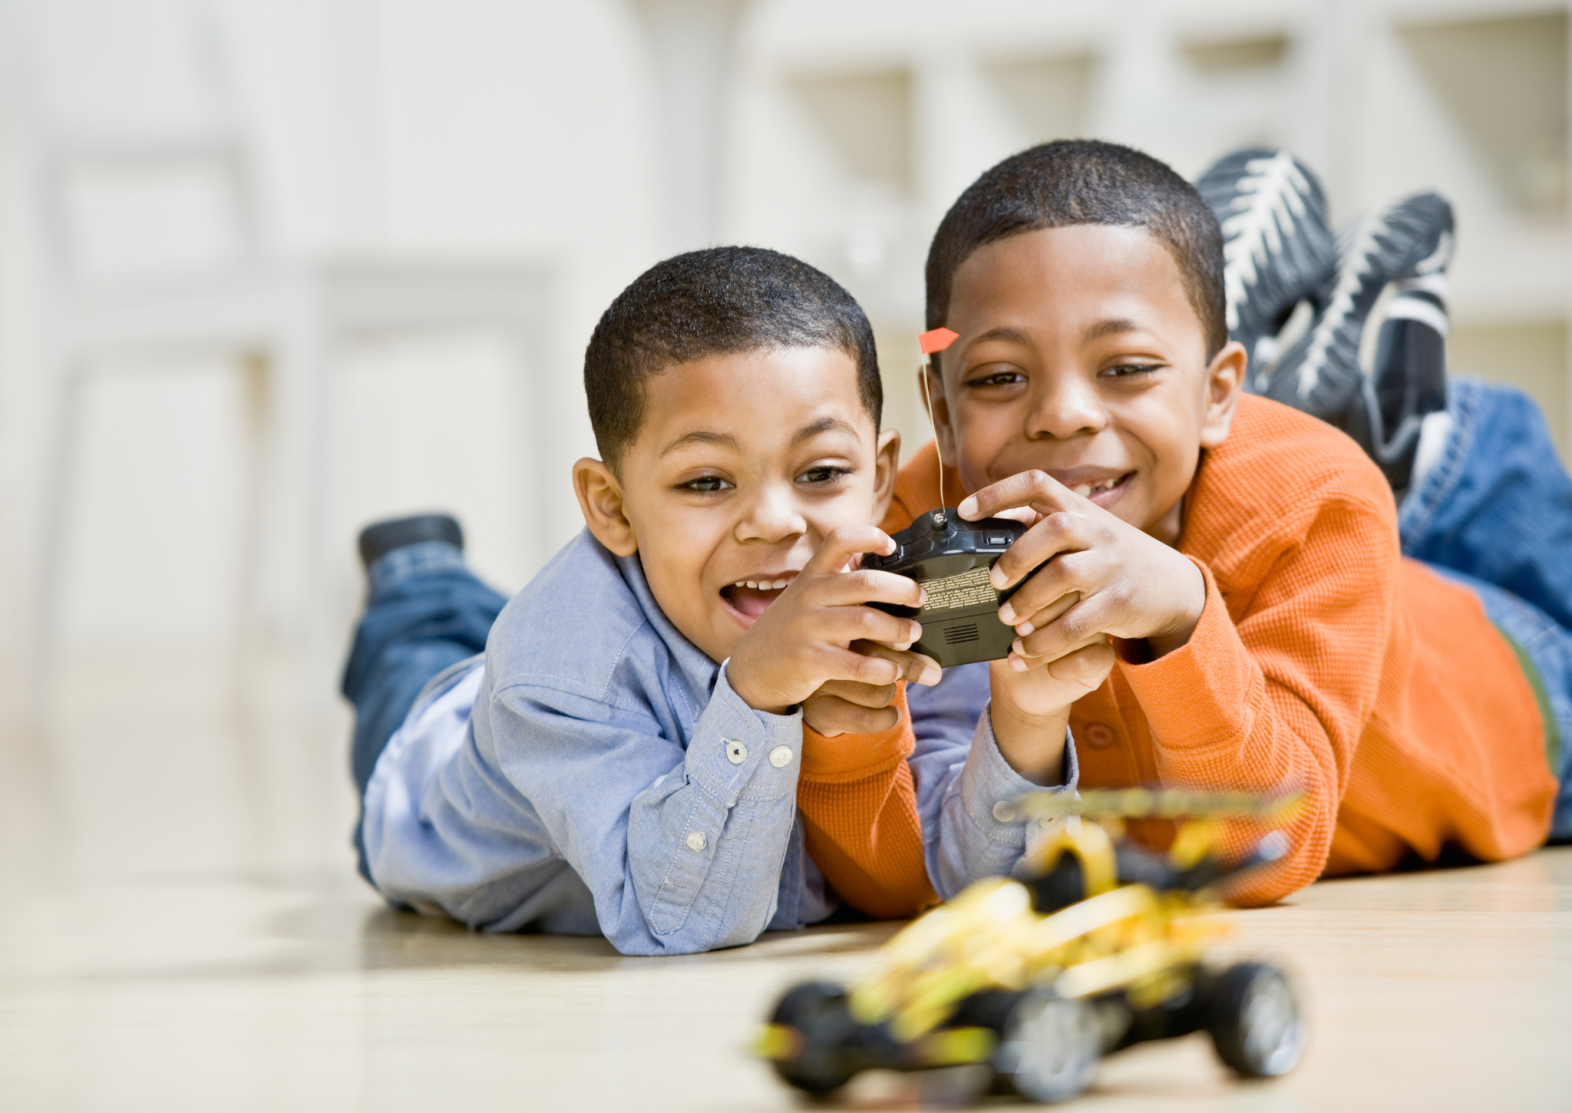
(181, 929)
(1449, 990)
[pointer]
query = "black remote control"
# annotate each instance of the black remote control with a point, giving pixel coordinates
(951, 558)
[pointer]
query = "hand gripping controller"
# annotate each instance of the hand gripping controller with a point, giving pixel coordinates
(951, 559)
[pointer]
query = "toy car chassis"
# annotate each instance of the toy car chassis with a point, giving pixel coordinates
(1028, 983)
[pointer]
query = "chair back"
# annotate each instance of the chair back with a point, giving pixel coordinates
(132, 137)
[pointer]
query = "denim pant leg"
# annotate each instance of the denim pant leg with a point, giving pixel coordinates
(1548, 646)
(425, 611)
(1497, 506)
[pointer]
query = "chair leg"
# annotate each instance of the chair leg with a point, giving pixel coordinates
(257, 367)
(298, 464)
(55, 494)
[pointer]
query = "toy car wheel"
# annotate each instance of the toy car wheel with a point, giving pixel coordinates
(1050, 1046)
(818, 1012)
(1255, 1023)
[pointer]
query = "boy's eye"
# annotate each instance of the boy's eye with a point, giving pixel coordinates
(1124, 370)
(705, 485)
(824, 473)
(997, 378)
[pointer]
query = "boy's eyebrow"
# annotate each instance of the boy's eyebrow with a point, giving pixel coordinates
(1113, 326)
(823, 425)
(700, 436)
(1003, 332)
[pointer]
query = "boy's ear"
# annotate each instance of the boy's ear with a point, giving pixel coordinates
(887, 462)
(1224, 383)
(601, 501)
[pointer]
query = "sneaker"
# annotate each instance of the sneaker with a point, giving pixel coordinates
(1374, 363)
(381, 538)
(1278, 251)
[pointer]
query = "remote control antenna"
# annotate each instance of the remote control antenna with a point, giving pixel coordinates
(932, 342)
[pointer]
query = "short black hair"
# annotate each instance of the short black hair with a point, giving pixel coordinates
(1085, 181)
(711, 302)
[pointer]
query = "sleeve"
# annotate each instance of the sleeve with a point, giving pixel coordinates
(965, 788)
(680, 850)
(1278, 700)
(859, 811)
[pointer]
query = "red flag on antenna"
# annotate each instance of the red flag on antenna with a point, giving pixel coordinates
(936, 340)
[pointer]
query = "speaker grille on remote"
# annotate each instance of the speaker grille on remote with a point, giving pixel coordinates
(955, 635)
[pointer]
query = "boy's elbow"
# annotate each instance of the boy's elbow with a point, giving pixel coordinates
(1268, 884)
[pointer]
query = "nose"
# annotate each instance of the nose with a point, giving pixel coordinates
(772, 515)
(1067, 405)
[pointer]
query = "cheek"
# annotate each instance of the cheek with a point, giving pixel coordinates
(981, 433)
(675, 573)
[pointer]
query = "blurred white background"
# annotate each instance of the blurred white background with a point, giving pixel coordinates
(386, 228)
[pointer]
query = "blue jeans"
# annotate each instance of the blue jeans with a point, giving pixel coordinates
(1495, 514)
(425, 611)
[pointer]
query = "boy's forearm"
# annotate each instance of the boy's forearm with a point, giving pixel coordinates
(859, 810)
(1237, 708)
(968, 812)
(1032, 744)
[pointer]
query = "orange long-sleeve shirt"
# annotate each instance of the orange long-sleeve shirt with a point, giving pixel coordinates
(1323, 659)
(859, 812)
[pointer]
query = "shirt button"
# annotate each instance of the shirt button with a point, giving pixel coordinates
(780, 756)
(697, 841)
(1099, 736)
(736, 752)
(1004, 811)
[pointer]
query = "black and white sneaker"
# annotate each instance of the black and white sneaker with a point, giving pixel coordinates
(1278, 252)
(1374, 362)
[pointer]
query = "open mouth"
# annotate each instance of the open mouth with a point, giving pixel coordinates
(751, 598)
(1108, 488)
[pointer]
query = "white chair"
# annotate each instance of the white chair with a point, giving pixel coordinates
(283, 323)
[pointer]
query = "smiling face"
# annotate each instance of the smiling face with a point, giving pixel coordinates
(743, 464)
(1080, 355)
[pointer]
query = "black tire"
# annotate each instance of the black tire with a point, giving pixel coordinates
(1050, 1046)
(819, 1013)
(1254, 1020)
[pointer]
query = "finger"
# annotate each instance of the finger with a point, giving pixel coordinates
(1034, 489)
(855, 588)
(835, 663)
(831, 715)
(919, 668)
(1031, 657)
(1087, 667)
(845, 625)
(844, 542)
(863, 695)
(1058, 532)
(1043, 617)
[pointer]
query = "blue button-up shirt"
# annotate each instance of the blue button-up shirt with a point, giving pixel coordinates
(594, 773)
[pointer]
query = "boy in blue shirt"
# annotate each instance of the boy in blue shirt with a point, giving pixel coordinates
(624, 758)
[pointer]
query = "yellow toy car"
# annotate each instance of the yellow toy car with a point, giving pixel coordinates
(1029, 982)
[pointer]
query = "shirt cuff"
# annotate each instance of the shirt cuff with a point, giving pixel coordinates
(738, 753)
(1199, 694)
(989, 787)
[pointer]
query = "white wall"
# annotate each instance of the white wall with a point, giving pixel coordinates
(524, 129)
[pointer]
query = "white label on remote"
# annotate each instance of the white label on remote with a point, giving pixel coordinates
(969, 589)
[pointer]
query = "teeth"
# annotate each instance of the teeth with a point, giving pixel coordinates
(781, 584)
(1087, 490)
(763, 585)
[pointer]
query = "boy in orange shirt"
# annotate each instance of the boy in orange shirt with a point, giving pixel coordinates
(1221, 575)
